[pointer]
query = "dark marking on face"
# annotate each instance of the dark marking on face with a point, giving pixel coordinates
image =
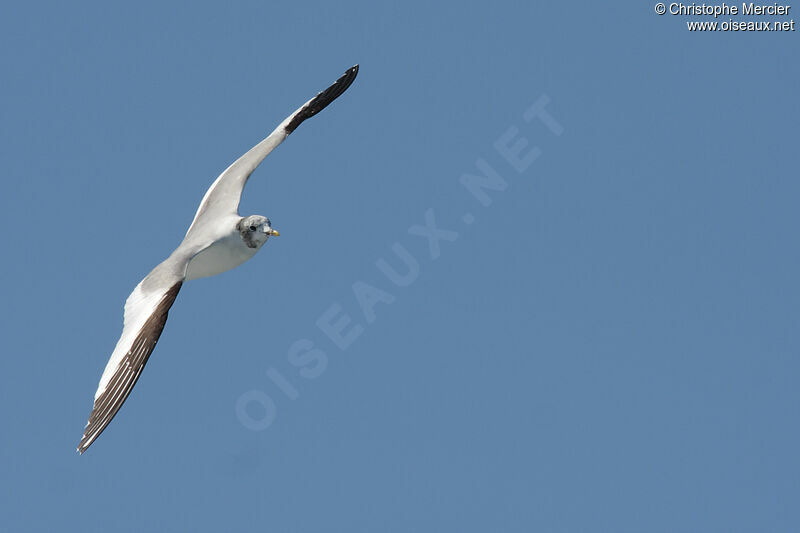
(247, 234)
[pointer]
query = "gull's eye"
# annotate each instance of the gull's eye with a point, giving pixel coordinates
(252, 228)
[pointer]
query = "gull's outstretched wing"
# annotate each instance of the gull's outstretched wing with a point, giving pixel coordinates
(223, 196)
(145, 315)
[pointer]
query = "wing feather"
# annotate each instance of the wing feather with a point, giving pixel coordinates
(122, 372)
(222, 198)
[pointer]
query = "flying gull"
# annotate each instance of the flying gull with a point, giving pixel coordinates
(218, 240)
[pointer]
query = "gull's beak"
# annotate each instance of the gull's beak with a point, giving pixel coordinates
(274, 233)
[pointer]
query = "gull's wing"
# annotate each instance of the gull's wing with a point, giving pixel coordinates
(145, 315)
(223, 196)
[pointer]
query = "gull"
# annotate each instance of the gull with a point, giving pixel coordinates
(218, 240)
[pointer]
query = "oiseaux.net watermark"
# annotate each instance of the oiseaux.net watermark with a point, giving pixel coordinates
(307, 359)
(751, 16)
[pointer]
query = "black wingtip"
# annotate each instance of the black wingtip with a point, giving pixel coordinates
(323, 99)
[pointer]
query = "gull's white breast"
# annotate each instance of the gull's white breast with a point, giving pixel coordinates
(226, 253)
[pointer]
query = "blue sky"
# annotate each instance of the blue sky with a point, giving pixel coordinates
(609, 345)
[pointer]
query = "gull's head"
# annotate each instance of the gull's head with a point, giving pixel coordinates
(255, 230)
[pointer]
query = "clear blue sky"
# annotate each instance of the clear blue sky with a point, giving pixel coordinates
(610, 345)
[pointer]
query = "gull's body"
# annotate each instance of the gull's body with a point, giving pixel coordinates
(227, 251)
(218, 240)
